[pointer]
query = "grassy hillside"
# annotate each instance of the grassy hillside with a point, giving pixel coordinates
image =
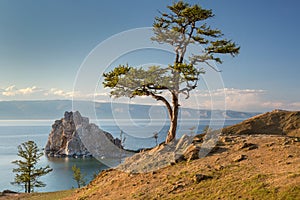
(269, 168)
(277, 122)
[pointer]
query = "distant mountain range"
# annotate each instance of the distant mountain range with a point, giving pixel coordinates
(54, 109)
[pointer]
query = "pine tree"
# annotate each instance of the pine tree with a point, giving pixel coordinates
(184, 25)
(27, 173)
(78, 176)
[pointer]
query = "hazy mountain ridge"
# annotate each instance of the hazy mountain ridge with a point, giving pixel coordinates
(54, 109)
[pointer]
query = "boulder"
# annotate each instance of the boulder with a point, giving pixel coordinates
(239, 158)
(201, 177)
(191, 152)
(247, 146)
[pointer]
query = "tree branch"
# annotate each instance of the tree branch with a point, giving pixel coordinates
(186, 91)
(160, 98)
(186, 43)
(204, 59)
(212, 67)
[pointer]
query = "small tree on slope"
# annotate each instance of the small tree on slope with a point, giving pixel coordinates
(27, 173)
(78, 176)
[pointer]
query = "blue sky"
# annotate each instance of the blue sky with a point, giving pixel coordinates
(43, 43)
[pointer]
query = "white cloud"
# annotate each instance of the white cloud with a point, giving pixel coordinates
(247, 99)
(9, 91)
(296, 104)
(100, 94)
(59, 93)
(228, 91)
(235, 99)
(283, 105)
(254, 100)
(29, 93)
(13, 91)
(29, 90)
(242, 100)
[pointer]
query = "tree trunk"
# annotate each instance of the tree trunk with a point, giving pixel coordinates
(173, 126)
(29, 181)
(172, 131)
(28, 187)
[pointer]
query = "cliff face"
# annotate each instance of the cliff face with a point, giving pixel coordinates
(64, 137)
(277, 122)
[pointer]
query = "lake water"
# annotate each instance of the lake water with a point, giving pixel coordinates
(13, 133)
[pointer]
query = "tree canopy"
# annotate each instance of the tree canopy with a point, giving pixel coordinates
(78, 176)
(27, 173)
(185, 24)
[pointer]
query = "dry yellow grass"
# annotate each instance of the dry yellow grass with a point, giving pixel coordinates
(271, 171)
(40, 196)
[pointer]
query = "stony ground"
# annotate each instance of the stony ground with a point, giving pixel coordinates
(242, 167)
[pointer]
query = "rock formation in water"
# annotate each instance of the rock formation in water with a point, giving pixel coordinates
(65, 139)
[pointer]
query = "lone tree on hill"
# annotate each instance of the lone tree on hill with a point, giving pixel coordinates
(27, 174)
(184, 25)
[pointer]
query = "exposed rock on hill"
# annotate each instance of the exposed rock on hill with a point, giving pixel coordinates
(187, 148)
(277, 122)
(269, 171)
(156, 158)
(64, 139)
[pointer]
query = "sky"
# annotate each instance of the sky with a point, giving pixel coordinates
(44, 44)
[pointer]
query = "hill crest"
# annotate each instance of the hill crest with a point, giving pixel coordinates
(277, 122)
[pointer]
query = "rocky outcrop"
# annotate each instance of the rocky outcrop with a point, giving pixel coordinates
(277, 122)
(187, 148)
(64, 138)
